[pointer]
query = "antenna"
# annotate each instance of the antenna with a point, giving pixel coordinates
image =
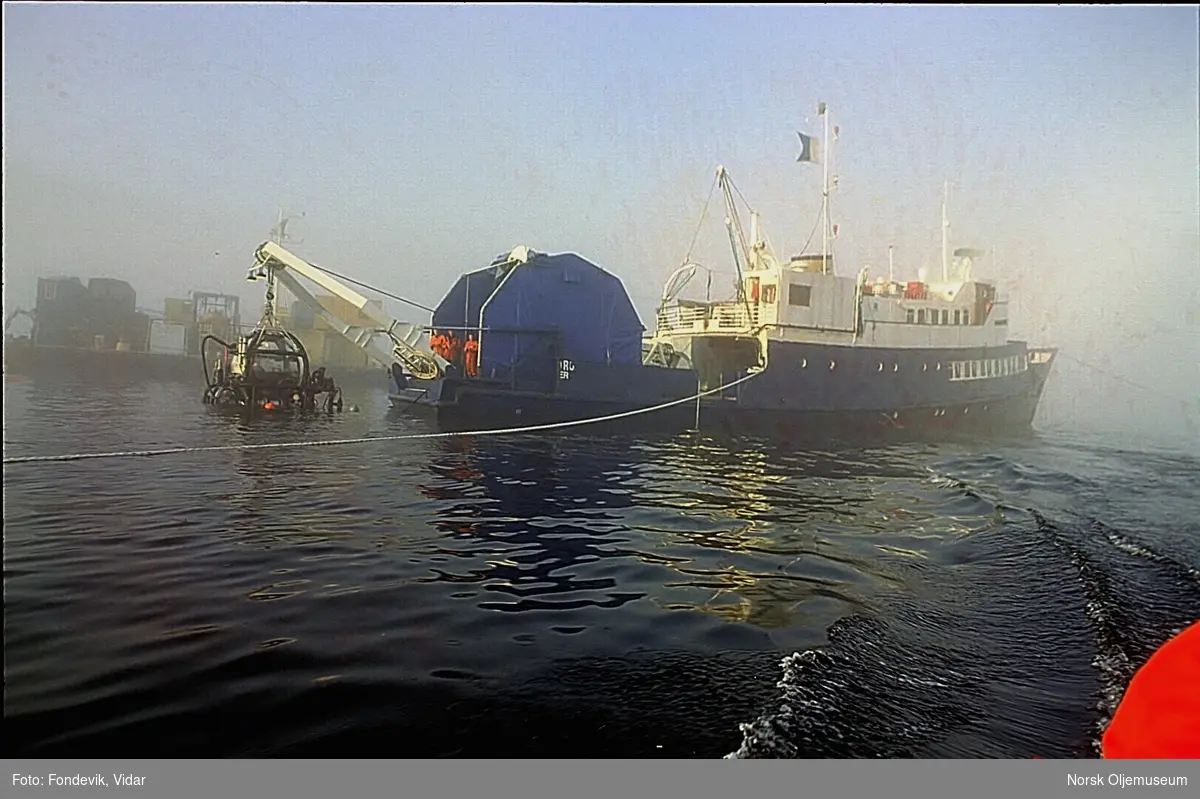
(891, 265)
(281, 237)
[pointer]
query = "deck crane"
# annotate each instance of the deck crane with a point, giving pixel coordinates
(389, 342)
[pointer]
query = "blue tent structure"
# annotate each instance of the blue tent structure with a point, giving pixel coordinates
(531, 315)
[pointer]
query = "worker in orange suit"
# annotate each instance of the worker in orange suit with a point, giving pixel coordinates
(454, 346)
(1159, 715)
(437, 343)
(471, 353)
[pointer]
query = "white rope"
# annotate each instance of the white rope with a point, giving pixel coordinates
(147, 453)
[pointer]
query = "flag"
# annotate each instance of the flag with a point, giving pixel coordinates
(810, 149)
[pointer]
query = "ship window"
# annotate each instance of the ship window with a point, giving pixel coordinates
(958, 317)
(921, 316)
(799, 294)
(945, 317)
(910, 316)
(933, 316)
(974, 368)
(49, 290)
(768, 294)
(966, 317)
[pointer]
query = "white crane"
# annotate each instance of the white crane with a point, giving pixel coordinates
(403, 345)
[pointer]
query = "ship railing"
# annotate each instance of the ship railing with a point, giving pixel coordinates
(1040, 356)
(726, 318)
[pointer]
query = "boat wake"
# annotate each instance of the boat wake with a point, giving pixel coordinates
(1050, 610)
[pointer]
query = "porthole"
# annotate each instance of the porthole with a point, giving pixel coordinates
(881, 366)
(895, 367)
(832, 364)
(939, 366)
(924, 367)
(804, 363)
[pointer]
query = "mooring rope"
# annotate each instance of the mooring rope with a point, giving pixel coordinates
(148, 453)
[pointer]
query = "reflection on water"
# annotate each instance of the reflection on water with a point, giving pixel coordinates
(570, 595)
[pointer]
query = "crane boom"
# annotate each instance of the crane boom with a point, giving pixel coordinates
(403, 338)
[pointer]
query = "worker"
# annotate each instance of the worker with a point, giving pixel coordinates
(1159, 715)
(471, 353)
(437, 343)
(455, 350)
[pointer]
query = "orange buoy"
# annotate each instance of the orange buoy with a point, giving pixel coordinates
(1159, 716)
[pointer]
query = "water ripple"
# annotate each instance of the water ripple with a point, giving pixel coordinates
(571, 595)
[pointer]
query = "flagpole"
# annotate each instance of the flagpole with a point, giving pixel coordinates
(825, 189)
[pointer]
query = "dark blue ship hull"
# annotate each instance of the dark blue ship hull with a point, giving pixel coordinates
(824, 378)
(537, 397)
(807, 391)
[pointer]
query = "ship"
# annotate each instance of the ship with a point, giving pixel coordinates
(797, 351)
(844, 354)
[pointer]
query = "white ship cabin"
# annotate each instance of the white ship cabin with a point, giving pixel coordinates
(804, 301)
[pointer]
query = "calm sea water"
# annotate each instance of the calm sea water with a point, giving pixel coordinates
(570, 595)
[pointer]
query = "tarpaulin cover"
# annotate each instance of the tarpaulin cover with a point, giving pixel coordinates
(550, 299)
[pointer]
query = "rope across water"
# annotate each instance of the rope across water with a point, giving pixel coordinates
(149, 453)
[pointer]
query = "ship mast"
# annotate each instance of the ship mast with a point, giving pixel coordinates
(945, 232)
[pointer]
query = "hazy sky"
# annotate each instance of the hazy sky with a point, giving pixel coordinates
(156, 143)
